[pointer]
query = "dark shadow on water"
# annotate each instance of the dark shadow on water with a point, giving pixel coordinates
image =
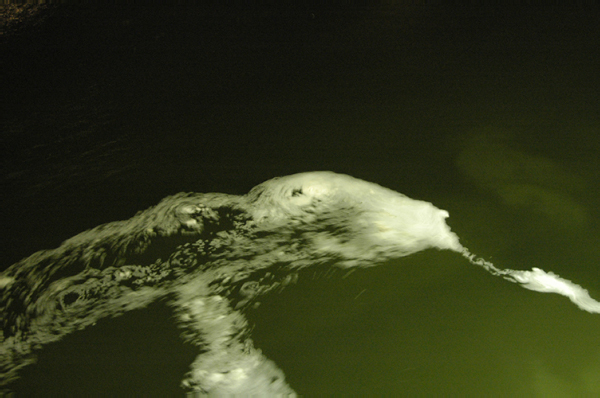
(136, 354)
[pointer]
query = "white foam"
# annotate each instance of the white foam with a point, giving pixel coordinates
(541, 281)
(548, 282)
(291, 222)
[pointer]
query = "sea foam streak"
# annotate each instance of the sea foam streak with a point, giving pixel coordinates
(213, 254)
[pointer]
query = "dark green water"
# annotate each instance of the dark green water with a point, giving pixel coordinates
(490, 114)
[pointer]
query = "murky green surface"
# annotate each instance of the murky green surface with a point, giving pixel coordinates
(488, 114)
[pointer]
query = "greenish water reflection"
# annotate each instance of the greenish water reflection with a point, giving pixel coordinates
(489, 115)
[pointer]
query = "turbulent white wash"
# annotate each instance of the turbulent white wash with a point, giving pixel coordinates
(213, 255)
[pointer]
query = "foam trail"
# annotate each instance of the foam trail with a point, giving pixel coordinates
(541, 281)
(210, 256)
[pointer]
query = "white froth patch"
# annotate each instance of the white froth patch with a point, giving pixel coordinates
(5, 281)
(293, 221)
(548, 282)
(540, 281)
(380, 219)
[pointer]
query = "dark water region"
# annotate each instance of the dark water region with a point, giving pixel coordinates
(490, 113)
(147, 356)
